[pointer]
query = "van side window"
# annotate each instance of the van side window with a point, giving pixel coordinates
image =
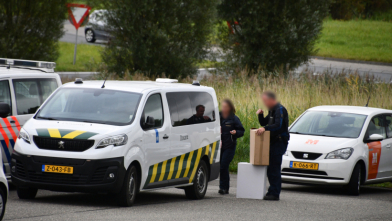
(31, 93)
(5, 96)
(389, 125)
(152, 116)
(187, 108)
(376, 126)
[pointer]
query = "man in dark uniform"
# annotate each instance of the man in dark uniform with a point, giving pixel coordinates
(277, 122)
(199, 117)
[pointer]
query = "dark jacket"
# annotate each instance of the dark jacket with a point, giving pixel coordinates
(197, 120)
(227, 125)
(277, 122)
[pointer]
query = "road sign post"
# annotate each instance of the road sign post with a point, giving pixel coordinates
(78, 16)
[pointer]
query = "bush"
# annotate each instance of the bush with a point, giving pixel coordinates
(158, 36)
(31, 29)
(271, 33)
(350, 9)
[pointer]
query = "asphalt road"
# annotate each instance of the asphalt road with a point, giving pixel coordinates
(297, 203)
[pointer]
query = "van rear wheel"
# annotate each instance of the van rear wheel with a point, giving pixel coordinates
(26, 193)
(354, 185)
(200, 183)
(127, 195)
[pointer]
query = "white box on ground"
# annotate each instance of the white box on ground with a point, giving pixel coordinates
(251, 181)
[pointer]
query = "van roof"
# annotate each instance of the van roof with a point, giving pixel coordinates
(351, 109)
(136, 86)
(23, 72)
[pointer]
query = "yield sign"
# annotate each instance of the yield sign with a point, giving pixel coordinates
(78, 14)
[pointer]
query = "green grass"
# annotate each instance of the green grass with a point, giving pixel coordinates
(356, 39)
(86, 57)
(386, 185)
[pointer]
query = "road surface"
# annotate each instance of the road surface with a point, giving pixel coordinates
(297, 203)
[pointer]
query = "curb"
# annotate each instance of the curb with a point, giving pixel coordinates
(351, 61)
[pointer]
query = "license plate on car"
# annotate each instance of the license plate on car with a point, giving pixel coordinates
(57, 169)
(303, 165)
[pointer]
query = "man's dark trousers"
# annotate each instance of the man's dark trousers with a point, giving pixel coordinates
(277, 150)
(227, 156)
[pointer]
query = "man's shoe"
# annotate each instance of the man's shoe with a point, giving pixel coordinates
(221, 191)
(271, 197)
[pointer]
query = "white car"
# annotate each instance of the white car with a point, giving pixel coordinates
(340, 145)
(120, 137)
(24, 86)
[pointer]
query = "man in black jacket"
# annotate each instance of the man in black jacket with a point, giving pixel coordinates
(277, 122)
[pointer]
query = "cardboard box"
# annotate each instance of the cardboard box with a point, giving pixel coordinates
(259, 148)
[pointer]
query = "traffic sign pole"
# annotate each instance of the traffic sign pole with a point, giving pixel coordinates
(76, 47)
(77, 23)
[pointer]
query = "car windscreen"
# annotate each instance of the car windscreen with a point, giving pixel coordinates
(91, 105)
(331, 124)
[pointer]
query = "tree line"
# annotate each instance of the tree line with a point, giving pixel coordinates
(171, 37)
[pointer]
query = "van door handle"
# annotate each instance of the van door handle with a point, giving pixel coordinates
(165, 136)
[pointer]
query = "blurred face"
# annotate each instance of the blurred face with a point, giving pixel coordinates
(268, 102)
(225, 109)
(200, 111)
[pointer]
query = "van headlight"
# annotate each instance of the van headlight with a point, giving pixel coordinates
(344, 153)
(115, 141)
(24, 135)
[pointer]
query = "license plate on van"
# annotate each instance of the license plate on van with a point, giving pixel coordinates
(57, 169)
(303, 165)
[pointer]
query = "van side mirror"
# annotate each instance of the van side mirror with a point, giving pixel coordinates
(374, 137)
(150, 122)
(5, 110)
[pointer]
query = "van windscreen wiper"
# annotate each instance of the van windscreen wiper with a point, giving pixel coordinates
(46, 118)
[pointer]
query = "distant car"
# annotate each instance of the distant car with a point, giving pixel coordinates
(340, 145)
(96, 28)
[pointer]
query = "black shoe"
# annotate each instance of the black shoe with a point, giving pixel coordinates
(221, 191)
(270, 197)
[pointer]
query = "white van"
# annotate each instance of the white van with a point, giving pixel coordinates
(24, 86)
(120, 137)
(340, 145)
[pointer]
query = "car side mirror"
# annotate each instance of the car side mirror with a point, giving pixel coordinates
(374, 137)
(150, 122)
(5, 110)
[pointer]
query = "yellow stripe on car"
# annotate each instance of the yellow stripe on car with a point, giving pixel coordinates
(188, 164)
(55, 133)
(74, 134)
(173, 161)
(163, 170)
(196, 164)
(154, 173)
(180, 166)
(213, 152)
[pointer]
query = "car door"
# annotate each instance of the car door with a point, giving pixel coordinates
(379, 151)
(9, 127)
(388, 122)
(156, 143)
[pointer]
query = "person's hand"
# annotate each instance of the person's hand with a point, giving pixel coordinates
(206, 118)
(260, 131)
(259, 111)
(233, 132)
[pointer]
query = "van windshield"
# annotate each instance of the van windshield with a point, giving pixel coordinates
(330, 124)
(91, 105)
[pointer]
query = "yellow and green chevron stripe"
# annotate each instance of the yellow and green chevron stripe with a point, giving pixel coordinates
(181, 166)
(66, 134)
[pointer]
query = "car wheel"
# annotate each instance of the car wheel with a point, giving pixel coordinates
(26, 193)
(3, 201)
(90, 36)
(354, 185)
(128, 192)
(200, 183)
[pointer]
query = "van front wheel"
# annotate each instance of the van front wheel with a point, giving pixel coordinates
(127, 195)
(200, 183)
(354, 185)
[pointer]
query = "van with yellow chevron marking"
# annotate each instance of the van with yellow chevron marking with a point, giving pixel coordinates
(120, 137)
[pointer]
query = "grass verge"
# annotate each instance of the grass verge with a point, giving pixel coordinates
(86, 57)
(357, 40)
